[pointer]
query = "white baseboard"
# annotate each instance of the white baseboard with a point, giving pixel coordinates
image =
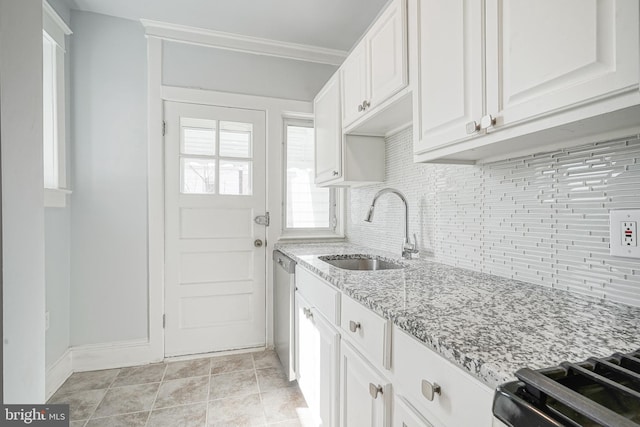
(58, 373)
(113, 355)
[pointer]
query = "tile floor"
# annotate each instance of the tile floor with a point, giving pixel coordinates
(240, 390)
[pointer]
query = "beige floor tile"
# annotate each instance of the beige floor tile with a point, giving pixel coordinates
(187, 368)
(236, 362)
(77, 423)
(273, 378)
(81, 403)
(182, 416)
(233, 384)
(93, 380)
(138, 419)
(122, 400)
(284, 404)
(236, 411)
(266, 359)
(140, 375)
(182, 391)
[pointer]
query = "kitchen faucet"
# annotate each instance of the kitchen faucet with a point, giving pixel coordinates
(409, 250)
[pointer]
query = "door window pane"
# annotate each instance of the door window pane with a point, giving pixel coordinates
(198, 176)
(199, 141)
(235, 139)
(235, 177)
(308, 206)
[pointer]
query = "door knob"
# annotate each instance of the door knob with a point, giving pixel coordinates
(257, 243)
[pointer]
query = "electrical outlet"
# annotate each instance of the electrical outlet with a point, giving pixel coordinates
(46, 320)
(623, 233)
(628, 233)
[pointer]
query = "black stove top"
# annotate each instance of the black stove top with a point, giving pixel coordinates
(596, 392)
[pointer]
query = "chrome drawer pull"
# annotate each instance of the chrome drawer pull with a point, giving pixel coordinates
(307, 312)
(354, 326)
(429, 390)
(374, 390)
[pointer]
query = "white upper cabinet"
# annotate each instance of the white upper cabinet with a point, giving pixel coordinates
(353, 76)
(502, 78)
(328, 132)
(343, 160)
(448, 93)
(548, 55)
(377, 68)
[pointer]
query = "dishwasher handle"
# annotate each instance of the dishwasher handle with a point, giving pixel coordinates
(284, 262)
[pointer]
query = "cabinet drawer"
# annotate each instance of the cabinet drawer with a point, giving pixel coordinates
(368, 331)
(462, 401)
(405, 416)
(321, 295)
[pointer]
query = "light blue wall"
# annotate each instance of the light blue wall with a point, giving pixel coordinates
(226, 71)
(109, 180)
(23, 284)
(57, 236)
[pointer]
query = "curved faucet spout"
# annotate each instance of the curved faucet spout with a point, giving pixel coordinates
(409, 250)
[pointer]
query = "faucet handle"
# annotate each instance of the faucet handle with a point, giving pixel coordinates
(410, 250)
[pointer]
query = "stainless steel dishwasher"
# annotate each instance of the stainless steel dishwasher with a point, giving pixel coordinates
(284, 289)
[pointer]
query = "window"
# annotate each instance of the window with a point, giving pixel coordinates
(216, 157)
(54, 31)
(308, 210)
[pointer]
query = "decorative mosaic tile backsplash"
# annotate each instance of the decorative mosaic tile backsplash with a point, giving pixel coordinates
(541, 219)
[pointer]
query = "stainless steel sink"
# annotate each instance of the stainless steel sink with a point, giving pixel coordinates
(361, 262)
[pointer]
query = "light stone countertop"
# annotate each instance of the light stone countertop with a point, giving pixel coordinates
(488, 325)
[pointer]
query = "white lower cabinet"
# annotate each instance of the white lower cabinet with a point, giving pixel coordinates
(439, 390)
(365, 393)
(318, 346)
(356, 370)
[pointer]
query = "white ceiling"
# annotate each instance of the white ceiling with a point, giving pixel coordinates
(335, 24)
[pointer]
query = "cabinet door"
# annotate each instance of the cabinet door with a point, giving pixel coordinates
(317, 357)
(404, 415)
(358, 380)
(328, 366)
(353, 80)
(448, 64)
(550, 55)
(387, 53)
(328, 132)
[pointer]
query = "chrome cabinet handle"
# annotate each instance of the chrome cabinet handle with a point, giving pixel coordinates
(307, 312)
(487, 121)
(360, 108)
(336, 173)
(365, 104)
(354, 326)
(430, 390)
(473, 127)
(257, 243)
(374, 390)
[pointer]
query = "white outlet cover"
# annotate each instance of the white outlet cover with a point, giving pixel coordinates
(616, 239)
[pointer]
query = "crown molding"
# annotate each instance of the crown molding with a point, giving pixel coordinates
(241, 43)
(53, 15)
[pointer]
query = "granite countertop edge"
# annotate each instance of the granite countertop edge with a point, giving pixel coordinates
(414, 320)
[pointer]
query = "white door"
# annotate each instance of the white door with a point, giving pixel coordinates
(386, 44)
(328, 132)
(215, 252)
(449, 70)
(547, 55)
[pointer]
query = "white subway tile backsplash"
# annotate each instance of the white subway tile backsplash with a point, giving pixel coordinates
(542, 219)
